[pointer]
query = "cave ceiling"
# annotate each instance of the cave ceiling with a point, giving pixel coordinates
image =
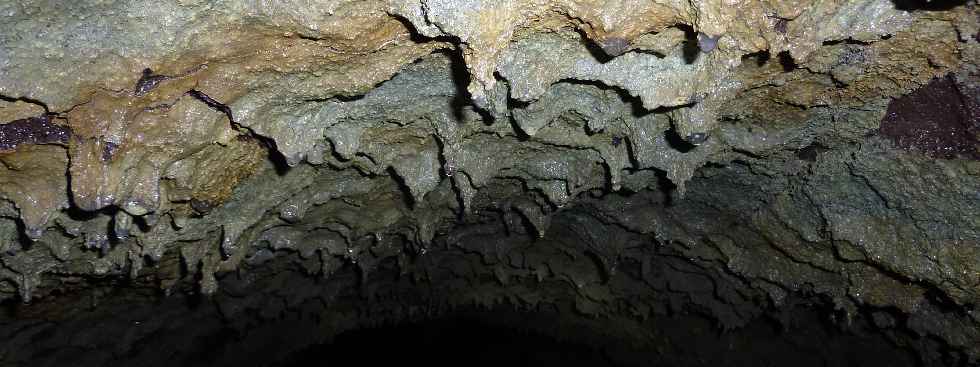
(628, 157)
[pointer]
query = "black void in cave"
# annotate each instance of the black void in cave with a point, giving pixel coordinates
(448, 342)
(689, 340)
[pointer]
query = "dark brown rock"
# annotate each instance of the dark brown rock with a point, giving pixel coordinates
(34, 130)
(941, 119)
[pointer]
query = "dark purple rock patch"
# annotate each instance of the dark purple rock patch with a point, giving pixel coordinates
(941, 120)
(34, 130)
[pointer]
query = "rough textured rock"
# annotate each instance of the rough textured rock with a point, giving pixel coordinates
(611, 164)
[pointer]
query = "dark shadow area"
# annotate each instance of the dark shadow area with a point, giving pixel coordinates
(450, 342)
(606, 52)
(637, 109)
(665, 185)
(759, 58)
(461, 79)
(126, 323)
(28, 100)
(275, 157)
(933, 5)
(811, 152)
(518, 132)
(786, 60)
(691, 49)
(801, 336)
(407, 196)
(677, 142)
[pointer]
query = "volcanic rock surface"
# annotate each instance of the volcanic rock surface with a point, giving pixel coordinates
(612, 171)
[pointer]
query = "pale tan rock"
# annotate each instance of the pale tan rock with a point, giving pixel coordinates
(122, 144)
(17, 110)
(33, 178)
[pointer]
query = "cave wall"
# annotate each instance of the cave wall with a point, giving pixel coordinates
(359, 161)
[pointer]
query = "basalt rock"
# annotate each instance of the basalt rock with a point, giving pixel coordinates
(338, 164)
